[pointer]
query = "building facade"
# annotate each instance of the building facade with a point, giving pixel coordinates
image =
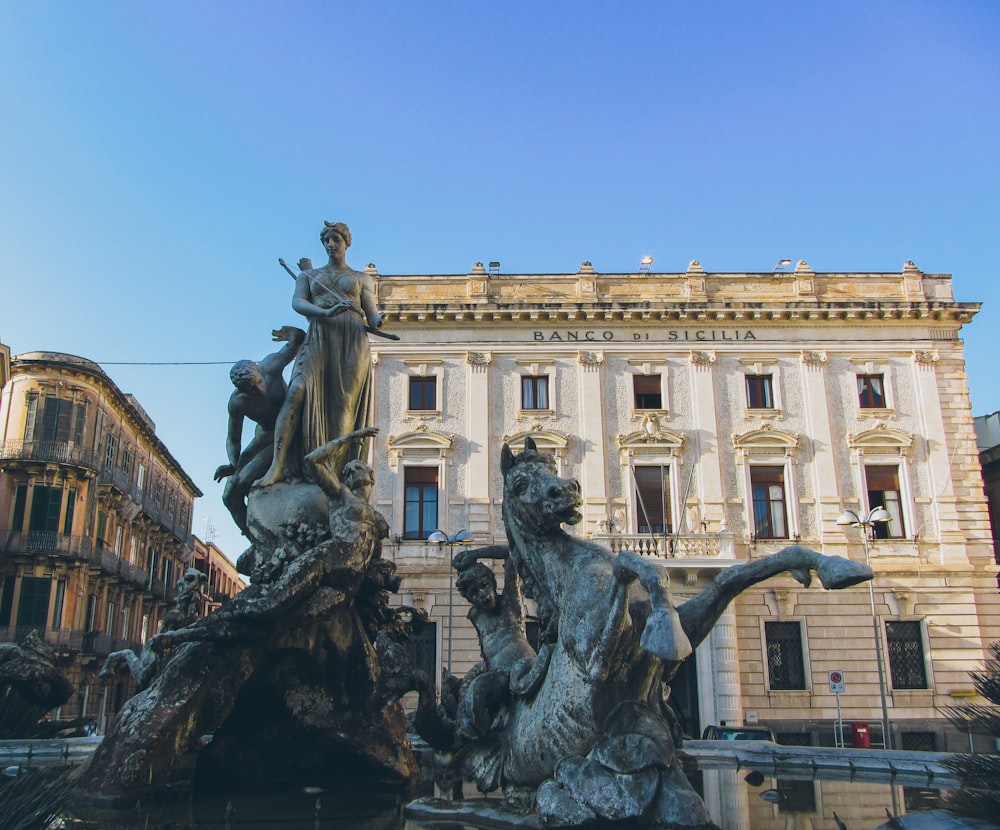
(988, 437)
(713, 418)
(95, 521)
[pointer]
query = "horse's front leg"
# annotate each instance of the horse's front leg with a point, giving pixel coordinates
(597, 635)
(663, 634)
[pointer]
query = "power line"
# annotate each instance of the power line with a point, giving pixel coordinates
(166, 363)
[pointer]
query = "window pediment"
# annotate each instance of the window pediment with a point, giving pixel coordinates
(882, 440)
(419, 443)
(766, 441)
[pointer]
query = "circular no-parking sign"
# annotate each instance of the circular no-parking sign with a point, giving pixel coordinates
(836, 681)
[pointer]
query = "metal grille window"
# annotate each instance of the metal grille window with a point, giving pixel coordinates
(760, 393)
(785, 666)
(423, 393)
(906, 654)
(647, 392)
(796, 796)
(535, 392)
(420, 502)
(422, 649)
(769, 514)
(871, 391)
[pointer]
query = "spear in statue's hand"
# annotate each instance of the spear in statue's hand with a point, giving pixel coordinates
(369, 329)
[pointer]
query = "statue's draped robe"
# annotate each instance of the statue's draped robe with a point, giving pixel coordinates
(334, 364)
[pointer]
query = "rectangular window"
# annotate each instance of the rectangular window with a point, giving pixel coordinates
(20, 501)
(420, 502)
(46, 504)
(770, 517)
(62, 420)
(127, 461)
(119, 539)
(534, 392)
(91, 624)
(6, 601)
(422, 649)
(30, 416)
(760, 393)
(133, 548)
(102, 526)
(109, 622)
(109, 451)
(140, 478)
(871, 391)
(60, 602)
(905, 643)
(652, 499)
(882, 483)
(33, 606)
(647, 392)
(785, 666)
(70, 509)
(423, 393)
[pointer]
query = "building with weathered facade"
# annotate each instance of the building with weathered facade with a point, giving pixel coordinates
(223, 580)
(713, 418)
(95, 521)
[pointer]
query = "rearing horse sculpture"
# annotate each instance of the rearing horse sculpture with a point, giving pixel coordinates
(593, 742)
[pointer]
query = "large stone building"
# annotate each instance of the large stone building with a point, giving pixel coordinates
(713, 418)
(95, 522)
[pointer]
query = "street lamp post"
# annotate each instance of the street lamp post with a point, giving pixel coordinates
(439, 537)
(877, 515)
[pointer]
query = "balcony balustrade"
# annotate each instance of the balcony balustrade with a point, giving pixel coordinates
(121, 482)
(49, 543)
(674, 546)
(60, 452)
(67, 639)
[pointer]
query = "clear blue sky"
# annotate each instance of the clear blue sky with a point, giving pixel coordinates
(157, 158)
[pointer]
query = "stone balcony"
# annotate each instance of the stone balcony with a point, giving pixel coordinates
(674, 546)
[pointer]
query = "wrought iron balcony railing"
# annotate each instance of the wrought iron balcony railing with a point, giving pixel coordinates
(61, 452)
(50, 543)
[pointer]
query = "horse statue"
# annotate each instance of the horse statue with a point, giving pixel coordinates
(594, 740)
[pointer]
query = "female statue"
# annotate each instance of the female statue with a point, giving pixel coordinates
(329, 393)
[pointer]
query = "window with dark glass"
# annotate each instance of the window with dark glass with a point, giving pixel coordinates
(760, 393)
(20, 502)
(770, 517)
(33, 604)
(57, 606)
(647, 392)
(871, 391)
(785, 664)
(46, 504)
(652, 498)
(420, 502)
(905, 643)
(70, 509)
(6, 600)
(534, 392)
(883, 491)
(423, 393)
(62, 420)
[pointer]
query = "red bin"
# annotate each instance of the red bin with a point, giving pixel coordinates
(862, 738)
